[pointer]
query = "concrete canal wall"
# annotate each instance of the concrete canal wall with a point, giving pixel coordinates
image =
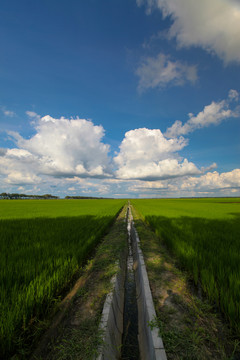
(150, 343)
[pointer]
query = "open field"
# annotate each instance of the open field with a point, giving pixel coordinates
(204, 234)
(42, 245)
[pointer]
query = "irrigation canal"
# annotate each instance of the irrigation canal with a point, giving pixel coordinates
(129, 309)
(130, 345)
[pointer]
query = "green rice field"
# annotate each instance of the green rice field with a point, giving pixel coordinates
(204, 234)
(42, 245)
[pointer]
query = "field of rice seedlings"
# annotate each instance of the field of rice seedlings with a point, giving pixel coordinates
(42, 244)
(204, 234)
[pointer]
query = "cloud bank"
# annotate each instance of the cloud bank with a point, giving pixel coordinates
(213, 25)
(206, 184)
(71, 153)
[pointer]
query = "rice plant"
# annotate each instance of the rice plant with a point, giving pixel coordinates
(42, 245)
(204, 234)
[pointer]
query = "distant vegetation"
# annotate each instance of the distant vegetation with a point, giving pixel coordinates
(204, 234)
(16, 196)
(42, 245)
(83, 197)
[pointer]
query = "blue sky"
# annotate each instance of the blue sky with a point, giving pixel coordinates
(123, 98)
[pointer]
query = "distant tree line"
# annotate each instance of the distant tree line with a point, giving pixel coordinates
(84, 197)
(15, 196)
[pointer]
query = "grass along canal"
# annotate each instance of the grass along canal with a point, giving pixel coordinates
(191, 327)
(78, 335)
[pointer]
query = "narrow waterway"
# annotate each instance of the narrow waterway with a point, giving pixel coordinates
(130, 345)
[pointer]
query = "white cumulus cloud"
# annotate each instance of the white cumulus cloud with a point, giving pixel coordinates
(60, 147)
(213, 181)
(210, 184)
(213, 25)
(18, 177)
(147, 154)
(67, 147)
(159, 71)
(212, 114)
(19, 166)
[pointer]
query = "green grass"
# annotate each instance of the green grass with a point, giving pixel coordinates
(42, 245)
(27, 209)
(204, 234)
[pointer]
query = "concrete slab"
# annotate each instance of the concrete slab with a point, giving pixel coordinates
(111, 323)
(151, 344)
